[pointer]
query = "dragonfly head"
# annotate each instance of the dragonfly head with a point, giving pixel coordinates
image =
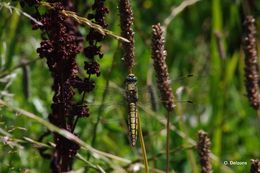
(131, 78)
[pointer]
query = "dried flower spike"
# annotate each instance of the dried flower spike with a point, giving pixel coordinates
(126, 23)
(251, 69)
(255, 166)
(160, 67)
(203, 147)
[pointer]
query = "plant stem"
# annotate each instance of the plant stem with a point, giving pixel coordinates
(183, 128)
(217, 81)
(143, 145)
(85, 21)
(168, 143)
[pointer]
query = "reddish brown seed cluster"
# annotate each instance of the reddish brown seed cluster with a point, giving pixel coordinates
(203, 147)
(126, 22)
(92, 51)
(60, 45)
(60, 48)
(159, 57)
(255, 166)
(251, 69)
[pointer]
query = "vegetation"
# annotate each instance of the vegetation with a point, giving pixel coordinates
(84, 48)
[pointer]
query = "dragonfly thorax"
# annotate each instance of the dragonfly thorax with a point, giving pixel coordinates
(131, 88)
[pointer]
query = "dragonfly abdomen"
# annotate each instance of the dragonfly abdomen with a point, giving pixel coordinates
(132, 123)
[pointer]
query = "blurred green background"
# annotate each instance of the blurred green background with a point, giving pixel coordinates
(216, 89)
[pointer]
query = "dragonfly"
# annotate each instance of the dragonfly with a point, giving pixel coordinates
(129, 102)
(132, 98)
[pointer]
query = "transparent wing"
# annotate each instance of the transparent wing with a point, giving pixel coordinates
(112, 96)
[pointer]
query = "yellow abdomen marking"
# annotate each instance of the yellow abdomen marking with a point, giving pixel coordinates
(132, 123)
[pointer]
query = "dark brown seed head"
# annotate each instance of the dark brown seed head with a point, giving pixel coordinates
(126, 23)
(255, 166)
(203, 147)
(93, 50)
(60, 45)
(160, 67)
(251, 69)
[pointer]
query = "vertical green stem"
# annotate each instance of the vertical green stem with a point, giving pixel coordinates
(143, 145)
(12, 30)
(183, 128)
(216, 81)
(168, 143)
